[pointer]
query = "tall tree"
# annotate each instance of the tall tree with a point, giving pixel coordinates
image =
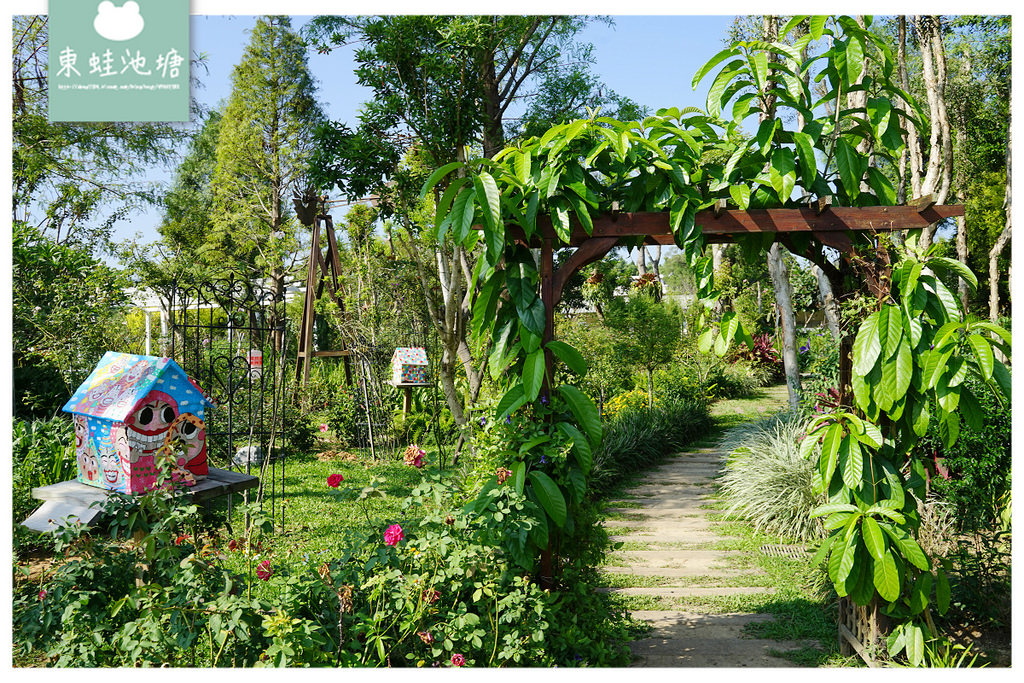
(265, 137)
(440, 85)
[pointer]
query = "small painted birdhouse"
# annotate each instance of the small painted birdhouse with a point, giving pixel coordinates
(409, 367)
(128, 408)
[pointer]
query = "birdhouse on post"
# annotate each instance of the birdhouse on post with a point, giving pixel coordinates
(126, 410)
(409, 369)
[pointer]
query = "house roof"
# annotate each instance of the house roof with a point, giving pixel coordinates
(121, 380)
(411, 355)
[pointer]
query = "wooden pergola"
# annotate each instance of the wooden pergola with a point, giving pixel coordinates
(824, 224)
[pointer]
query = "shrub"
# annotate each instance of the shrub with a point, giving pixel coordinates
(638, 438)
(767, 482)
(636, 399)
(43, 453)
(677, 383)
(974, 475)
(443, 593)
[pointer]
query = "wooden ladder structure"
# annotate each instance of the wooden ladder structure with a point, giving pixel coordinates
(322, 273)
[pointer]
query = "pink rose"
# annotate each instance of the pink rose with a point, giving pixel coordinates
(323, 427)
(393, 535)
(458, 660)
(335, 480)
(263, 570)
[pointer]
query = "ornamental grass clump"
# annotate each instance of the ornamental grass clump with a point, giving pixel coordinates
(768, 483)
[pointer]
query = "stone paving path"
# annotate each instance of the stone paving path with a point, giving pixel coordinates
(675, 532)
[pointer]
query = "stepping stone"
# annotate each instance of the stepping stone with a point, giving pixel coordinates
(686, 639)
(689, 591)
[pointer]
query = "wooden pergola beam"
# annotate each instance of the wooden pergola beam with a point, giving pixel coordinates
(730, 223)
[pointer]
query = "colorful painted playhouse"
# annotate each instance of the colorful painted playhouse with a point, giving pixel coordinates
(409, 366)
(128, 408)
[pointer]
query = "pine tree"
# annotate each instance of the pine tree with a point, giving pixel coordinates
(265, 135)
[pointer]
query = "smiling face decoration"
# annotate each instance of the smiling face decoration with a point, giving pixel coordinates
(148, 424)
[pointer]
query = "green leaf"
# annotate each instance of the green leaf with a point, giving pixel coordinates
(560, 221)
(904, 368)
(846, 561)
(830, 450)
(873, 539)
(713, 62)
(817, 25)
(853, 471)
(534, 442)
(848, 162)
(970, 408)
(585, 412)
(942, 591)
(533, 375)
(960, 269)
(519, 476)
(489, 199)
(462, 215)
(549, 496)
(915, 644)
(1002, 377)
(741, 195)
(887, 577)
(832, 508)
(581, 447)
(437, 175)
(866, 346)
(570, 356)
(982, 350)
(513, 399)
(808, 164)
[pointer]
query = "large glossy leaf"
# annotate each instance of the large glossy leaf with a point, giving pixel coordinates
(873, 538)
(830, 451)
(808, 164)
(582, 451)
(904, 368)
(915, 644)
(853, 470)
(513, 399)
(887, 577)
(585, 412)
(713, 62)
(463, 209)
(848, 162)
(866, 346)
(533, 375)
(489, 198)
(436, 176)
(550, 496)
(983, 355)
(970, 408)
(570, 356)
(942, 592)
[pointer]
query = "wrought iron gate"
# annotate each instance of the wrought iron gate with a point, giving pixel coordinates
(229, 335)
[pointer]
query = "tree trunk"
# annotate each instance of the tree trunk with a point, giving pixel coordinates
(829, 305)
(1004, 238)
(641, 260)
(939, 172)
(783, 296)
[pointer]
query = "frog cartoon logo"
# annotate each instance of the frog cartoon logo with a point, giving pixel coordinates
(118, 23)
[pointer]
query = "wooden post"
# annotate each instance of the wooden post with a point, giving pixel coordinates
(407, 400)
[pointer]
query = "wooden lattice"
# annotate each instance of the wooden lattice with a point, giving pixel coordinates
(862, 629)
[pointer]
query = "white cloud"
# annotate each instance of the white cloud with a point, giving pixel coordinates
(118, 23)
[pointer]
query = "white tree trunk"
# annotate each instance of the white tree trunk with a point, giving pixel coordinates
(829, 305)
(783, 296)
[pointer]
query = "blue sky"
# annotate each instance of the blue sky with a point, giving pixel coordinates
(650, 59)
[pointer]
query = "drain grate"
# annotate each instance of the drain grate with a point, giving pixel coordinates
(792, 552)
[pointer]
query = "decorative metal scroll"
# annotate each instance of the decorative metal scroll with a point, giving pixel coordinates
(229, 335)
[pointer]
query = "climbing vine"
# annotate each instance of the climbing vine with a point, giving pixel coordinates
(911, 354)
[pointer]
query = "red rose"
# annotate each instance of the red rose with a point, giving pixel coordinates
(335, 480)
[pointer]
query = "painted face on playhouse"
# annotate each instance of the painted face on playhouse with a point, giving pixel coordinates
(148, 423)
